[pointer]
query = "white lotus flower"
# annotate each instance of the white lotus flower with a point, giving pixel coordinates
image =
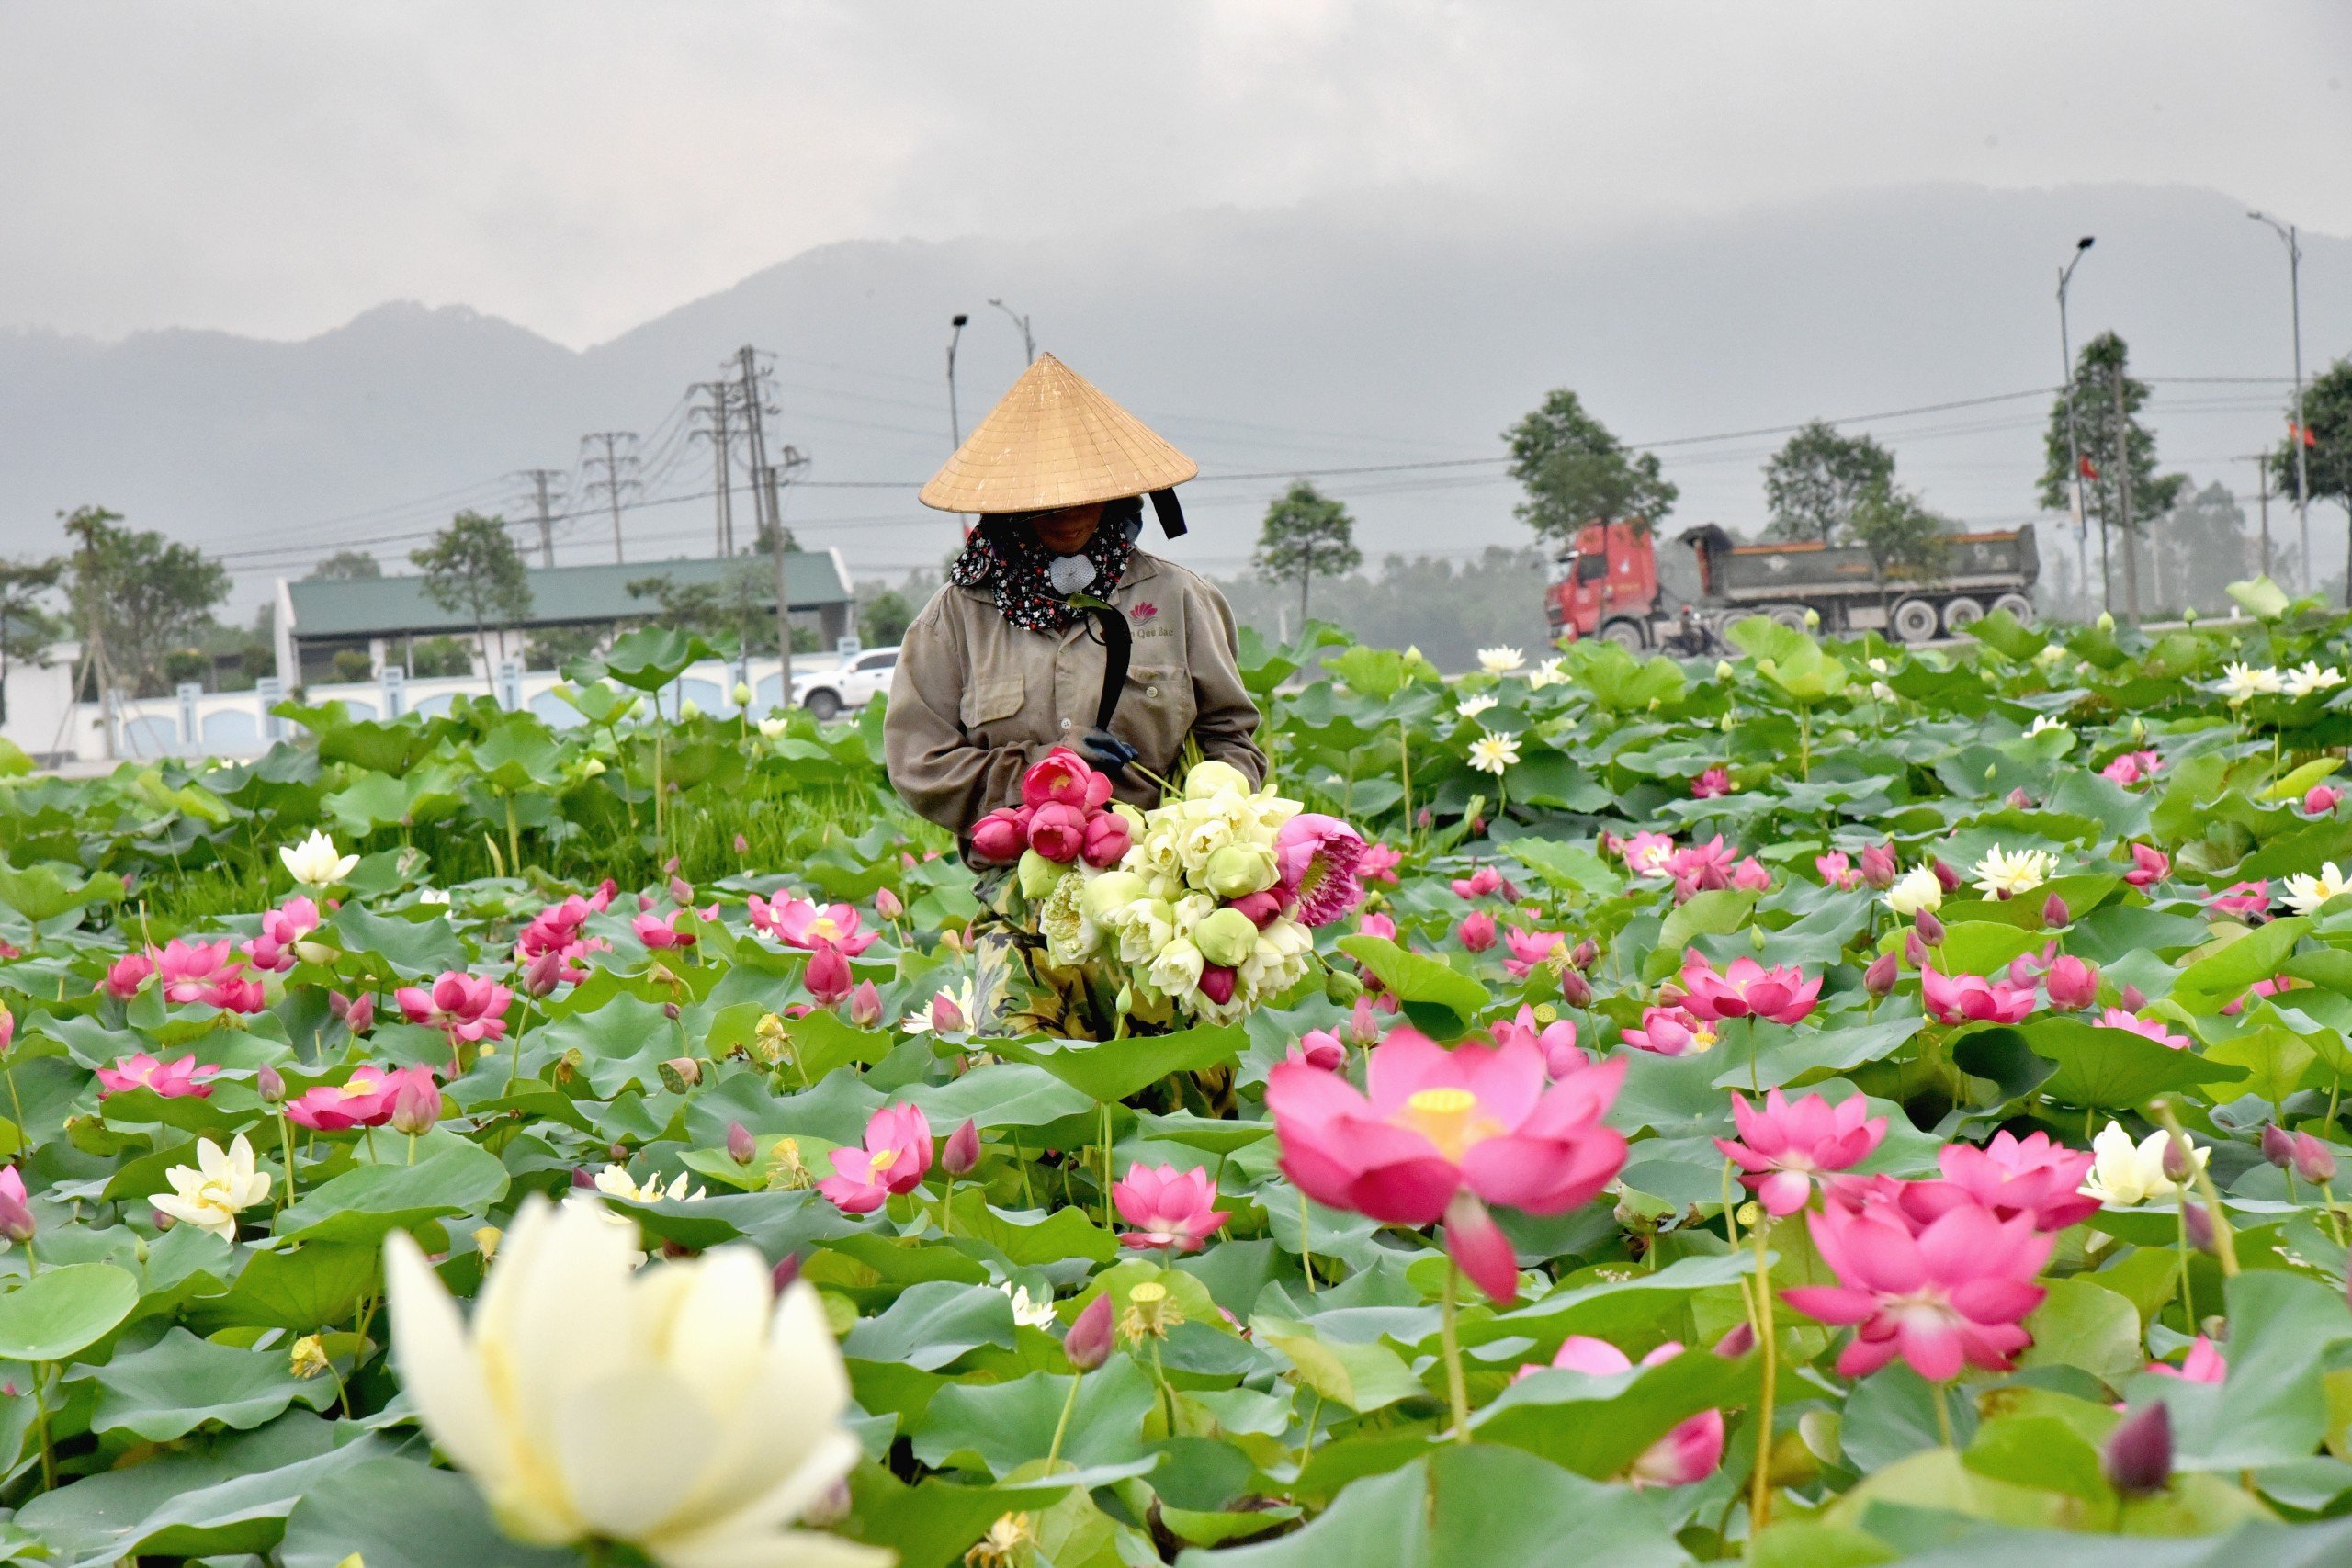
(2001, 874)
(210, 1193)
(615, 1181)
(1493, 753)
(1501, 661)
(2043, 723)
(2306, 893)
(687, 1410)
(772, 727)
(1030, 1314)
(2123, 1176)
(436, 896)
(1548, 673)
(1914, 890)
(1471, 707)
(2240, 682)
(314, 863)
(2050, 653)
(2311, 678)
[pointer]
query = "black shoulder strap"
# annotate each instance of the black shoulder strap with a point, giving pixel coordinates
(1118, 647)
(1169, 511)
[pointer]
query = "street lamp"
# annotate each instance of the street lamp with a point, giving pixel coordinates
(1028, 343)
(2074, 445)
(955, 417)
(2285, 232)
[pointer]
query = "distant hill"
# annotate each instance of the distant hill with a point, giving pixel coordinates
(1387, 328)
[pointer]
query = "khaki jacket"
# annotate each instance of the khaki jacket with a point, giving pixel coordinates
(976, 700)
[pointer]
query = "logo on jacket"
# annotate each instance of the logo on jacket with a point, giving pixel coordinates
(1144, 611)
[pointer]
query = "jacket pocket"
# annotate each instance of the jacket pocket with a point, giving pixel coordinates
(986, 701)
(1156, 713)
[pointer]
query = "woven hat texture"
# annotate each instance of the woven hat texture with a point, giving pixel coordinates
(1054, 441)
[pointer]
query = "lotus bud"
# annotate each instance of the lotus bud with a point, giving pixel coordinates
(2133, 998)
(680, 1074)
(1877, 866)
(2072, 983)
(946, 1016)
(2137, 1457)
(1226, 937)
(2020, 799)
(16, 1221)
(1217, 983)
(1880, 977)
(671, 1011)
(1263, 908)
(1341, 987)
(962, 1150)
(1723, 670)
(1088, 1342)
(742, 845)
(2196, 1219)
(1108, 894)
(2277, 1145)
(1208, 779)
(1037, 875)
(1574, 989)
(1737, 1343)
(1915, 952)
(1585, 954)
(1106, 840)
(1239, 870)
(1001, 836)
(2320, 799)
(2178, 1164)
(543, 973)
(416, 1107)
(1930, 928)
(866, 1005)
(886, 903)
(2315, 1160)
(2055, 913)
(269, 1084)
(786, 1273)
(741, 1148)
(7, 1030)
(583, 1176)
(741, 694)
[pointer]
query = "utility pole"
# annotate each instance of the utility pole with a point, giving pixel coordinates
(616, 463)
(88, 587)
(954, 415)
(778, 476)
(2123, 498)
(1028, 340)
(2261, 461)
(541, 479)
(2073, 446)
(2287, 231)
(755, 438)
(722, 484)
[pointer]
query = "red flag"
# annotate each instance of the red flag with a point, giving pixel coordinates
(2294, 430)
(2090, 470)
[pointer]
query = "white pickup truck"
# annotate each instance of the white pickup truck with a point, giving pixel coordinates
(828, 694)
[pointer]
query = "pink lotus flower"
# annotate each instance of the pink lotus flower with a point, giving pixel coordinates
(280, 928)
(1837, 871)
(1376, 925)
(1171, 1210)
(797, 923)
(1557, 1040)
(199, 971)
(1057, 832)
(896, 1156)
(237, 991)
(2320, 799)
(1784, 1147)
(2132, 767)
(1379, 863)
(2032, 1176)
(2072, 983)
(1750, 875)
(1971, 998)
(866, 1005)
(1701, 868)
(555, 931)
(462, 1006)
(2150, 1028)
(659, 934)
(1319, 857)
(2247, 900)
(1943, 1296)
(1482, 883)
(127, 974)
(1442, 1133)
(1711, 783)
(828, 975)
(1319, 1049)
(2202, 1364)
(1476, 930)
(177, 1079)
(2149, 864)
(1529, 949)
(1688, 1453)
(358, 1016)
(1108, 838)
(1362, 1028)
(16, 1223)
(1647, 854)
(1261, 907)
(1064, 778)
(1781, 994)
(1000, 836)
(1217, 981)
(367, 1098)
(1669, 1031)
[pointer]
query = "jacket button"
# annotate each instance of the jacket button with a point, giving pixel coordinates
(1151, 691)
(1064, 724)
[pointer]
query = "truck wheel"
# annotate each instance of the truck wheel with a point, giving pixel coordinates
(1913, 620)
(1962, 614)
(1627, 635)
(1788, 615)
(2016, 605)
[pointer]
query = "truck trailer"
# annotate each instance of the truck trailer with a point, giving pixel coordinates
(1609, 583)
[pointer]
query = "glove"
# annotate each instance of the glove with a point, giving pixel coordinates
(1107, 752)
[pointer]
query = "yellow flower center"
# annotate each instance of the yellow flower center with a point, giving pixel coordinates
(358, 1086)
(1448, 1118)
(881, 1159)
(823, 925)
(1703, 1038)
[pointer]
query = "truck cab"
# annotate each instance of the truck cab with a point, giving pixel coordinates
(1604, 583)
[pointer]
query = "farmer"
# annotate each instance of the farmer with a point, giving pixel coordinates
(1054, 629)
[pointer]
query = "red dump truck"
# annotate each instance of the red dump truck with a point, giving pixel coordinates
(1609, 582)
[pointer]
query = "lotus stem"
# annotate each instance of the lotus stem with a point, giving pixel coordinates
(2225, 1244)
(1943, 1415)
(1457, 1392)
(1061, 1427)
(1759, 1496)
(1306, 1247)
(285, 1146)
(40, 1420)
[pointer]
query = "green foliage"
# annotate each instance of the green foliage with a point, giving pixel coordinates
(473, 570)
(1576, 472)
(1305, 534)
(1820, 479)
(144, 594)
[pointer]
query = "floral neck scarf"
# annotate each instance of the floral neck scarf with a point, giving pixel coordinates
(1007, 560)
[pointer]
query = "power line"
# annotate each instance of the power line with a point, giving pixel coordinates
(618, 466)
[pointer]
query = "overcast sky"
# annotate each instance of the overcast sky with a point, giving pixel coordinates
(275, 166)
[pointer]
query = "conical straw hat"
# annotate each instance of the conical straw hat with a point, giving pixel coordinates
(1055, 441)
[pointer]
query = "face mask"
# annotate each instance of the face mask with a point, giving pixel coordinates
(1069, 574)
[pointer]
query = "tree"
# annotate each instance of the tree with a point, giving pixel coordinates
(1576, 472)
(1306, 534)
(1815, 482)
(885, 618)
(2197, 548)
(2099, 370)
(347, 565)
(473, 570)
(139, 597)
(741, 604)
(27, 627)
(2327, 411)
(1904, 539)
